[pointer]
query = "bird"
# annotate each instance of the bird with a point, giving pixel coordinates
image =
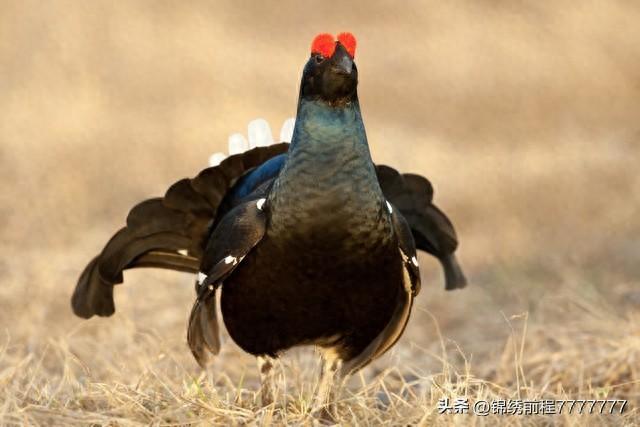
(308, 242)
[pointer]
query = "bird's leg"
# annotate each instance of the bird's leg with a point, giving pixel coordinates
(330, 384)
(267, 379)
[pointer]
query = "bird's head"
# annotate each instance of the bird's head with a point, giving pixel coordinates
(330, 74)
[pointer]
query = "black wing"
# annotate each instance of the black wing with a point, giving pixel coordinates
(233, 238)
(168, 232)
(407, 247)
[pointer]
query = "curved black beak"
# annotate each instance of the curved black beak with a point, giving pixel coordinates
(341, 61)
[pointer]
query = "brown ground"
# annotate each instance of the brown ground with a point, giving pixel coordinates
(523, 114)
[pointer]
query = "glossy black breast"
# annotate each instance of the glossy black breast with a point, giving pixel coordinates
(311, 288)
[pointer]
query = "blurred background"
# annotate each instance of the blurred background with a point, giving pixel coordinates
(524, 115)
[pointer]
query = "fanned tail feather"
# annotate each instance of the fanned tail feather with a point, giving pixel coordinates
(92, 295)
(432, 230)
(453, 275)
(169, 232)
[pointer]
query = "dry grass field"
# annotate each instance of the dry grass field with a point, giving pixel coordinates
(524, 115)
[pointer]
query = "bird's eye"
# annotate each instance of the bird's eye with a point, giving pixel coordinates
(319, 58)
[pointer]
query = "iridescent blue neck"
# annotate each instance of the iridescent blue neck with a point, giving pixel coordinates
(329, 166)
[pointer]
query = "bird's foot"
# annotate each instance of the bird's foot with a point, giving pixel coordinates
(328, 414)
(266, 396)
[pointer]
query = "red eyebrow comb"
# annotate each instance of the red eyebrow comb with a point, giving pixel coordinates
(325, 44)
(348, 40)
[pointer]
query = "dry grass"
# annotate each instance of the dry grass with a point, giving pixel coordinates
(523, 115)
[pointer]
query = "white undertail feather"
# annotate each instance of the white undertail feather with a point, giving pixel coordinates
(286, 132)
(216, 158)
(259, 135)
(237, 144)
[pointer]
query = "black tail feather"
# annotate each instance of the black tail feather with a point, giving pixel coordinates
(453, 276)
(167, 260)
(433, 232)
(203, 333)
(93, 295)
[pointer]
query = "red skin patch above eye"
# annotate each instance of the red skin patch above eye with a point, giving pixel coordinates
(324, 44)
(349, 42)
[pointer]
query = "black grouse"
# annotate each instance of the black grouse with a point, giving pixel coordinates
(309, 242)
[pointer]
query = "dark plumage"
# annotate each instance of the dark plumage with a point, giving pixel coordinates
(310, 243)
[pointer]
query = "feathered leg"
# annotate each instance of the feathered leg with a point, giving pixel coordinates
(330, 384)
(267, 379)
